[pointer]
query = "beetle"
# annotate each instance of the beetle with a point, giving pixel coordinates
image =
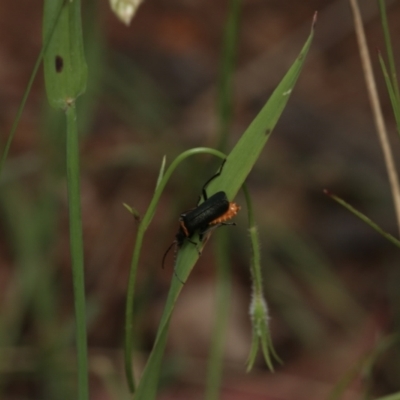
(212, 213)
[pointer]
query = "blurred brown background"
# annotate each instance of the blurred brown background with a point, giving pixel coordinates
(330, 281)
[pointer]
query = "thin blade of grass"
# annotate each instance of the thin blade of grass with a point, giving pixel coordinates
(392, 92)
(364, 218)
(143, 225)
(376, 108)
(21, 107)
(223, 285)
(238, 165)
(389, 49)
(223, 294)
(395, 396)
(225, 86)
(162, 170)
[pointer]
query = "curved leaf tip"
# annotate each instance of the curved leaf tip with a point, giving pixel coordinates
(314, 21)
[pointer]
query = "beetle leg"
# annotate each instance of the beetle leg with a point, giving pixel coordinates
(197, 247)
(205, 197)
(211, 228)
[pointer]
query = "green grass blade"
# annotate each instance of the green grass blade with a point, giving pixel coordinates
(162, 170)
(64, 61)
(246, 152)
(65, 77)
(225, 90)
(76, 246)
(21, 107)
(143, 225)
(238, 165)
(364, 218)
(395, 396)
(223, 285)
(392, 92)
(389, 49)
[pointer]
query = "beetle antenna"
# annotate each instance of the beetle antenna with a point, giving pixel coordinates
(175, 242)
(168, 250)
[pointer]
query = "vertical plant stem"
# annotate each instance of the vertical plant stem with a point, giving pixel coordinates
(76, 246)
(376, 108)
(255, 269)
(225, 89)
(128, 345)
(224, 285)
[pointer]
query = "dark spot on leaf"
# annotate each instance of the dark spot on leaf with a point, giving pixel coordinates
(59, 63)
(268, 131)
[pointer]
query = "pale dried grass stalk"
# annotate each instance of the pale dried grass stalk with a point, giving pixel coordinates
(376, 108)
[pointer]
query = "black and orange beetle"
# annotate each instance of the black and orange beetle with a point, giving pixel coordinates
(212, 213)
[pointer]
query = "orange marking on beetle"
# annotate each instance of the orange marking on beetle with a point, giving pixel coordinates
(186, 232)
(232, 211)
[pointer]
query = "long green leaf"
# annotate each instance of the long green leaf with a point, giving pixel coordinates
(143, 225)
(65, 73)
(64, 62)
(238, 165)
